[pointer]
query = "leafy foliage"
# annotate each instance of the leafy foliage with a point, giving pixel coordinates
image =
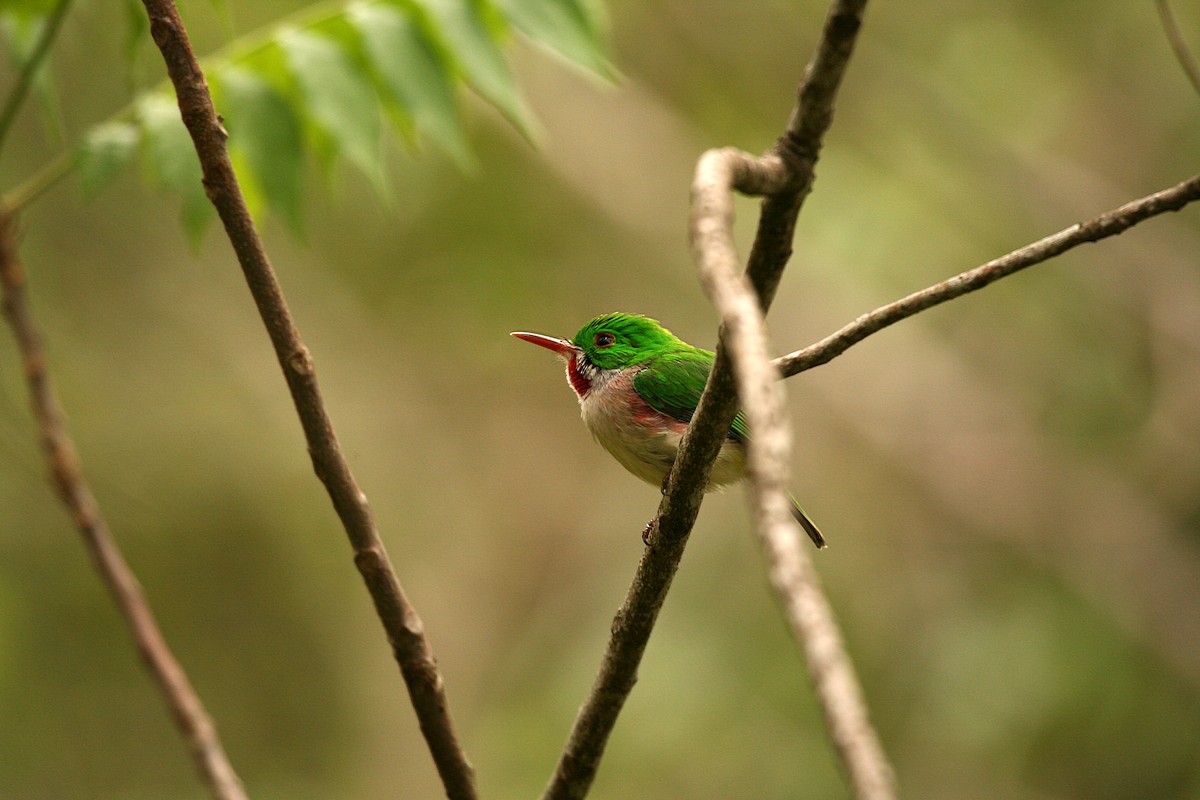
(568, 28)
(332, 84)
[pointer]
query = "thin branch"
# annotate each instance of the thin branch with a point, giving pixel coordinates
(790, 568)
(1178, 44)
(786, 173)
(403, 626)
(30, 68)
(1107, 224)
(181, 699)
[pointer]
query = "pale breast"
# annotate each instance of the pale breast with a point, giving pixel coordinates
(643, 440)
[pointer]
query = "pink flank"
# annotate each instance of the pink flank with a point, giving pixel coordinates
(647, 416)
(627, 409)
(643, 440)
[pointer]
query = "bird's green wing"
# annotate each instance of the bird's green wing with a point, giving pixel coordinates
(672, 384)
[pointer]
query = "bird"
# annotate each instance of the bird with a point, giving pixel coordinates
(638, 386)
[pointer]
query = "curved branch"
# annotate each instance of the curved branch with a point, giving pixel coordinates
(182, 701)
(403, 626)
(791, 571)
(1107, 224)
(785, 175)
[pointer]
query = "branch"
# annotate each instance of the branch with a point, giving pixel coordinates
(785, 175)
(30, 68)
(790, 568)
(404, 628)
(1107, 224)
(1178, 45)
(182, 701)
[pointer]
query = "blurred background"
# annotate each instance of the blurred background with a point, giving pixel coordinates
(1010, 484)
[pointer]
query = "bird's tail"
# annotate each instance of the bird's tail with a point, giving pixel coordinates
(806, 523)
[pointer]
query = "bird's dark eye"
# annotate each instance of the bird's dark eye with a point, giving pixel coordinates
(604, 340)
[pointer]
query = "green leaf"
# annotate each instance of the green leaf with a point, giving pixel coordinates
(104, 152)
(265, 140)
(339, 99)
(171, 160)
(472, 30)
(323, 84)
(268, 61)
(413, 72)
(568, 27)
(169, 156)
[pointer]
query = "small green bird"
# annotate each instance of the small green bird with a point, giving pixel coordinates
(638, 386)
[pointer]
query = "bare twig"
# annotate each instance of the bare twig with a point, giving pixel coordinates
(1178, 44)
(790, 567)
(785, 174)
(791, 571)
(182, 701)
(1107, 224)
(29, 69)
(404, 628)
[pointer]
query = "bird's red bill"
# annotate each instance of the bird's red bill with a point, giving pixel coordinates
(560, 346)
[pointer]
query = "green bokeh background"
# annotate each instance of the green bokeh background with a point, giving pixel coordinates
(1010, 484)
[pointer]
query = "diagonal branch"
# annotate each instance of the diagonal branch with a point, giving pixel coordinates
(404, 628)
(785, 176)
(182, 701)
(790, 568)
(1110, 223)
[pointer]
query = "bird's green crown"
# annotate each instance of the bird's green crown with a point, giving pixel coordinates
(617, 341)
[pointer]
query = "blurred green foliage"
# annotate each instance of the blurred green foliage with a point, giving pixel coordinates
(1010, 484)
(322, 80)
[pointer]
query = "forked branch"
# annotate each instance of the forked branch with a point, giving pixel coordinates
(785, 176)
(181, 699)
(404, 628)
(790, 567)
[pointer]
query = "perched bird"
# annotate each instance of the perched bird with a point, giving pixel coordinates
(638, 386)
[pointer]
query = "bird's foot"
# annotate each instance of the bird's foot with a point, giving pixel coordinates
(646, 533)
